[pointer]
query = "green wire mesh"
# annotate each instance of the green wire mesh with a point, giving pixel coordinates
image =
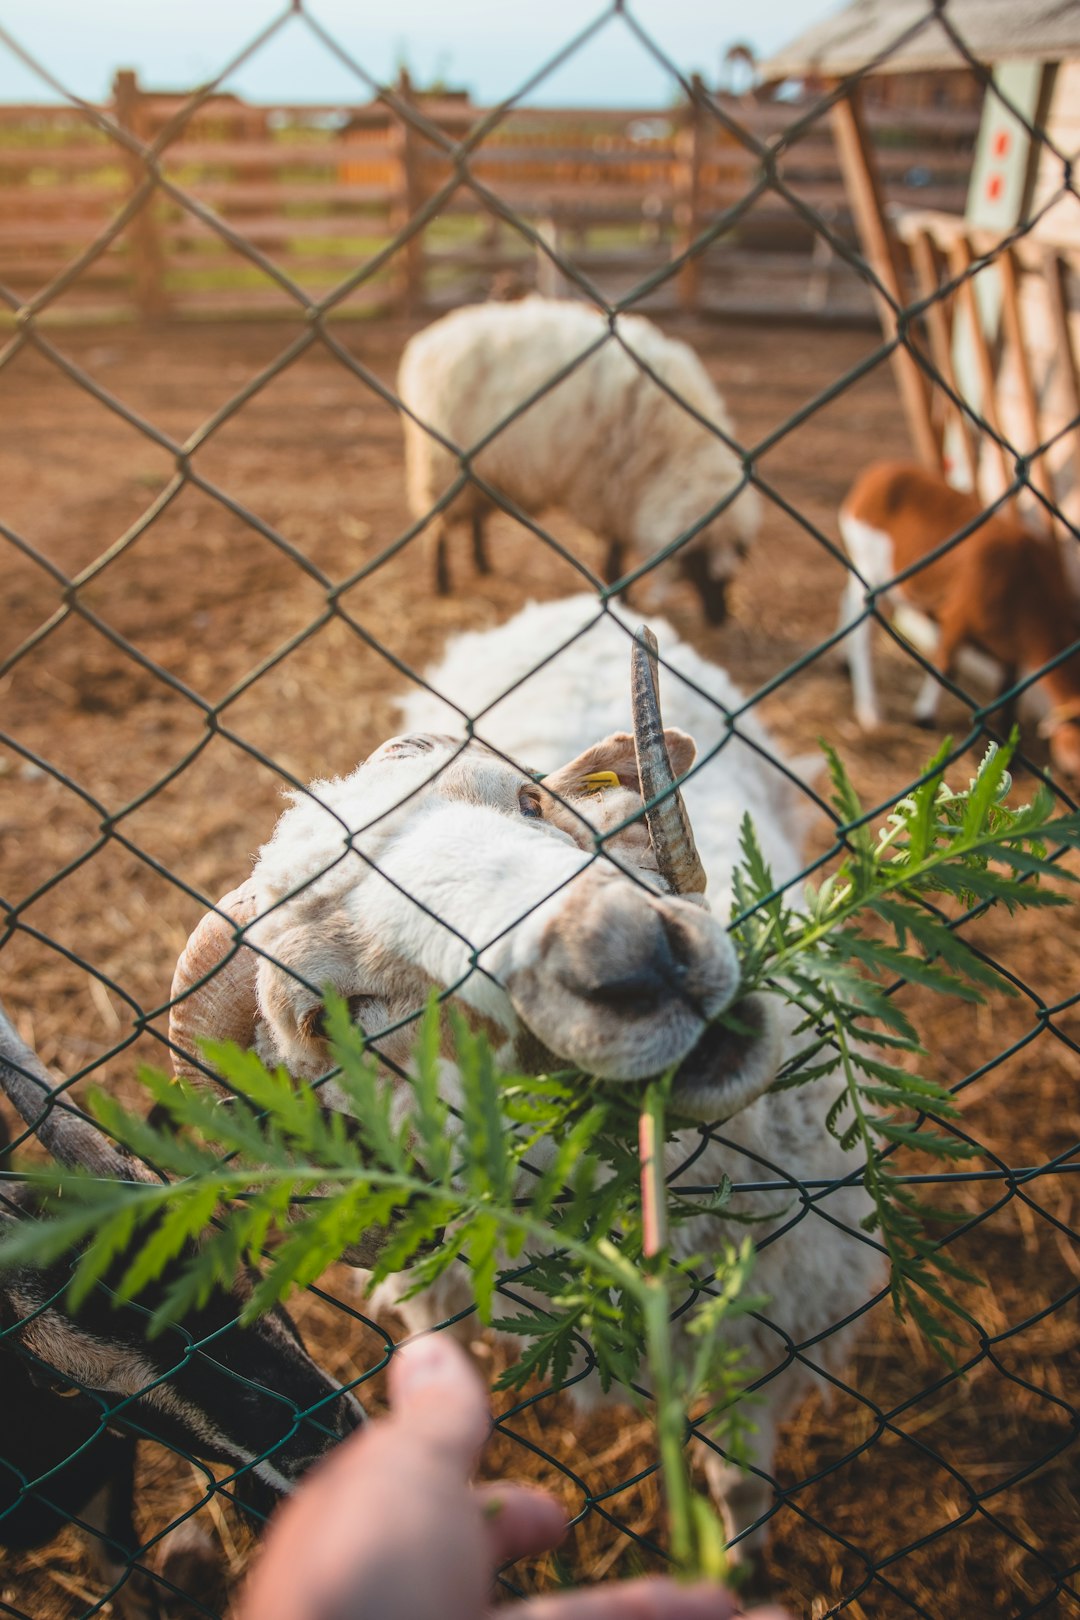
(868, 1579)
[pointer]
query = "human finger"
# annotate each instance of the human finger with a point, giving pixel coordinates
(653, 1598)
(438, 1398)
(520, 1520)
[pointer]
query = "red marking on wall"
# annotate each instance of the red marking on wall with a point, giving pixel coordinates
(995, 186)
(1002, 142)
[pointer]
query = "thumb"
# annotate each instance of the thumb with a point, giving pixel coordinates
(439, 1399)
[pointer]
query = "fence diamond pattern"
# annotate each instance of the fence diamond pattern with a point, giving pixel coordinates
(885, 1506)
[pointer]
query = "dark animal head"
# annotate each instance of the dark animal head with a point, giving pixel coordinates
(250, 1397)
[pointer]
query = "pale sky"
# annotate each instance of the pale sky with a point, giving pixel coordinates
(488, 46)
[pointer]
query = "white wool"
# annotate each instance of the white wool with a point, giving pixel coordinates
(813, 1262)
(542, 710)
(607, 442)
(321, 841)
(542, 689)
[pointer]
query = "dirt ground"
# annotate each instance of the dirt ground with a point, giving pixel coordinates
(920, 1494)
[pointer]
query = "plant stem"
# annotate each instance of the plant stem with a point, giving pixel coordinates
(670, 1422)
(653, 1188)
(670, 1413)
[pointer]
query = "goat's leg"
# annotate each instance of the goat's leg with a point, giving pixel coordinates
(859, 655)
(188, 1559)
(479, 542)
(839, 655)
(191, 1569)
(927, 701)
(1008, 714)
(928, 698)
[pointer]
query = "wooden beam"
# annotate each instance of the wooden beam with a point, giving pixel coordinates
(1055, 271)
(687, 208)
(147, 260)
(410, 196)
(960, 259)
(1016, 344)
(939, 330)
(880, 252)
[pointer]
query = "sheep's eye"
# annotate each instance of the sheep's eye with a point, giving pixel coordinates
(529, 803)
(312, 1024)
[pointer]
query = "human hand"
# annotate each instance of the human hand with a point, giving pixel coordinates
(389, 1527)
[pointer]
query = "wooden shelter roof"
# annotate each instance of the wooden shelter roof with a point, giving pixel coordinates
(994, 30)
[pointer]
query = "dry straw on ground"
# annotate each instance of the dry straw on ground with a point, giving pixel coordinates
(964, 1497)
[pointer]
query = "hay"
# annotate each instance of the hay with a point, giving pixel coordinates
(966, 1502)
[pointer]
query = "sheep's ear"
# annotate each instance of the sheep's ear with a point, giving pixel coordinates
(613, 762)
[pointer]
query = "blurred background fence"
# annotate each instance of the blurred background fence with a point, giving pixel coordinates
(318, 188)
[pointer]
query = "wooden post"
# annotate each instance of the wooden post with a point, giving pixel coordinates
(1054, 272)
(687, 211)
(1017, 344)
(145, 241)
(939, 329)
(960, 259)
(879, 250)
(550, 281)
(410, 197)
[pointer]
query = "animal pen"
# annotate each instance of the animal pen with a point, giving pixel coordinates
(215, 592)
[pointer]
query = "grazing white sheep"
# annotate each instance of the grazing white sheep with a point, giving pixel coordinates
(489, 883)
(608, 443)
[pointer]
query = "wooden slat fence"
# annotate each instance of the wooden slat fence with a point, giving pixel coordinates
(1019, 317)
(320, 191)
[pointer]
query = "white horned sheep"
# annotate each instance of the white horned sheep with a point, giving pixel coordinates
(607, 442)
(1000, 594)
(440, 861)
(80, 1389)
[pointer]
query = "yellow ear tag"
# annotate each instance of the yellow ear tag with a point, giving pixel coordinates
(597, 781)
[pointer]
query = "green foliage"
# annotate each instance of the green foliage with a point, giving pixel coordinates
(887, 916)
(272, 1180)
(270, 1163)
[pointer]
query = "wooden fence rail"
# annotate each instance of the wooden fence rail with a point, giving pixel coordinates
(1025, 362)
(321, 191)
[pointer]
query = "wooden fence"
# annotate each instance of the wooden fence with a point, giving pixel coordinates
(1019, 316)
(319, 192)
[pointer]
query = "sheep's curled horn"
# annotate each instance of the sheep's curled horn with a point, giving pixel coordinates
(677, 859)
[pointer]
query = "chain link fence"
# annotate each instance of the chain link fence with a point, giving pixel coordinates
(203, 615)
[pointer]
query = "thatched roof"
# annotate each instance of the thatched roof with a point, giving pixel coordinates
(993, 30)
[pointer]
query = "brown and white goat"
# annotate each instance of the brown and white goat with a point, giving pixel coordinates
(79, 1389)
(1000, 591)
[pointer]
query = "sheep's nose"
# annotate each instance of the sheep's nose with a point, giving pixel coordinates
(619, 980)
(633, 953)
